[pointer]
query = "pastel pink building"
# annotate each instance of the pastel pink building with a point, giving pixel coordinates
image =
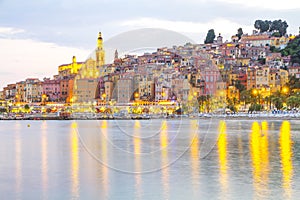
(52, 89)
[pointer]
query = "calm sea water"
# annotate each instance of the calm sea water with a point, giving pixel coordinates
(151, 159)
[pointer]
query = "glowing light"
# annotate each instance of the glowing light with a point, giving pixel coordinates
(194, 154)
(260, 156)
(137, 157)
(164, 157)
(254, 92)
(104, 153)
(136, 95)
(44, 151)
(74, 161)
(222, 149)
(286, 153)
(285, 89)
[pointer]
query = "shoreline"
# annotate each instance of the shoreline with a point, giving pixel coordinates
(179, 117)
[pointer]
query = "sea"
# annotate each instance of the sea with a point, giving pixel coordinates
(150, 159)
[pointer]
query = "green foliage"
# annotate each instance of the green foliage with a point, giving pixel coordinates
(278, 26)
(239, 86)
(2, 110)
(255, 107)
(245, 96)
(232, 108)
(276, 34)
(293, 49)
(273, 49)
(210, 37)
(239, 33)
(294, 83)
(278, 102)
(293, 101)
(26, 107)
(262, 61)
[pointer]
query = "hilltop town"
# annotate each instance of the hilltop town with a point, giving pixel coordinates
(251, 72)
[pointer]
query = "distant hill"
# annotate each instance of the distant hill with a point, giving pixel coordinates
(141, 40)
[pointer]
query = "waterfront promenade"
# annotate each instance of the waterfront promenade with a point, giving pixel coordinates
(101, 116)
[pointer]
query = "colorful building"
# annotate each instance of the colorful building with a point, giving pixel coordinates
(51, 88)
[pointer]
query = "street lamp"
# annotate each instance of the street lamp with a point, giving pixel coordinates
(285, 90)
(136, 95)
(103, 97)
(255, 92)
(44, 97)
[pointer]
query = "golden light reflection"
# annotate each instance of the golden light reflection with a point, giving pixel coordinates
(260, 157)
(222, 149)
(74, 161)
(137, 158)
(44, 164)
(104, 152)
(18, 157)
(194, 154)
(286, 154)
(164, 158)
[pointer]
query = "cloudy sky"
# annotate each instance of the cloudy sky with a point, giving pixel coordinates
(36, 36)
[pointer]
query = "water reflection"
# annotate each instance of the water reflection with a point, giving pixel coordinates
(222, 150)
(44, 164)
(286, 154)
(18, 161)
(164, 158)
(194, 155)
(74, 161)
(260, 158)
(137, 158)
(104, 158)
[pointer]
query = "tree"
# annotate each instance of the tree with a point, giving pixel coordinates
(240, 33)
(271, 26)
(293, 49)
(278, 103)
(26, 107)
(210, 36)
(257, 24)
(293, 101)
(283, 27)
(239, 86)
(245, 96)
(276, 34)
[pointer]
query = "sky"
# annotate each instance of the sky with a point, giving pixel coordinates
(36, 36)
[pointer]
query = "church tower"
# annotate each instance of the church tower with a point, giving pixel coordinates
(100, 54)
(116, 55)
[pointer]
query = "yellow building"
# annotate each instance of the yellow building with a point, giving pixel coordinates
(1, 95)
(262, 77)
(146, 88)
(284, 77)
(69, 69)
(233, 93)
(20, 91)
(86, 81)
(279, 42)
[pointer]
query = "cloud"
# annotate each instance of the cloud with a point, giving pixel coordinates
(224, 26)
(10, 31)
(267, 4)
(22, 58)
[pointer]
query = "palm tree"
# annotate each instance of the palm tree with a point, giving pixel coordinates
(278, 102)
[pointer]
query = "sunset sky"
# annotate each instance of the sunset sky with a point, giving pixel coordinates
(38, 36)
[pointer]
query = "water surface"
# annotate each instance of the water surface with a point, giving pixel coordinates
(149, 159)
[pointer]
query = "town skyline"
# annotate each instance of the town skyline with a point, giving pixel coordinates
(79, 54)
(32, 32)
(258, 71)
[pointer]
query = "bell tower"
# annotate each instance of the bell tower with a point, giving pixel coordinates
(116, 55)
(100, 54)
